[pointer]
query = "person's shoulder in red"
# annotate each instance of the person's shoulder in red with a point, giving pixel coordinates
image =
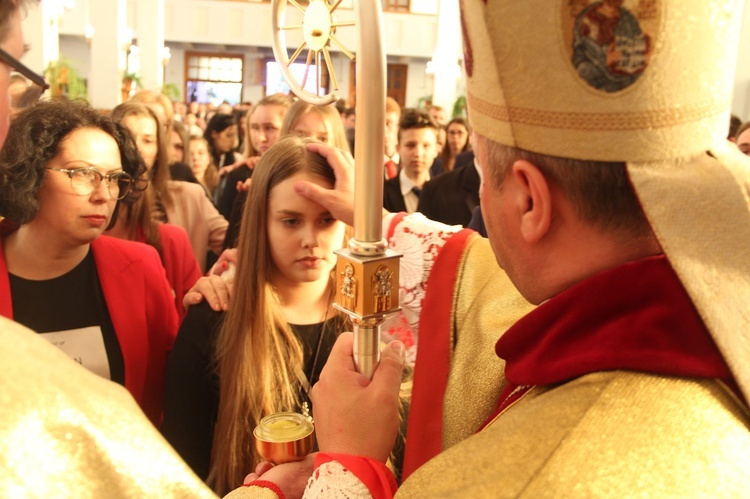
(179, 262)
(134, 269)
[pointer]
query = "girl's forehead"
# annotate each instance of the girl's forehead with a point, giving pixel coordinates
(140, 122)
(285, 189)
(312, 117)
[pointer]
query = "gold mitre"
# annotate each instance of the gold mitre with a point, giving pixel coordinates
(645, 82)
(557, 77)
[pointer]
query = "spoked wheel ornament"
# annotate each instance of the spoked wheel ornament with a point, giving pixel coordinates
(318, 30)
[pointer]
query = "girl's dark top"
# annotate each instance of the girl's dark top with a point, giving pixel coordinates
(191, 398)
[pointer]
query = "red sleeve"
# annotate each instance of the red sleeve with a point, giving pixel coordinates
(6, 304)
(375, 475)
(141, 306)
(179, 262)
(163, 320)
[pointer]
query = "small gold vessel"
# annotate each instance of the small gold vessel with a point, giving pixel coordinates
(284, 437)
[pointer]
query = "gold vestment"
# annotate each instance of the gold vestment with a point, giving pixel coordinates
(65, 432)
(630, 429)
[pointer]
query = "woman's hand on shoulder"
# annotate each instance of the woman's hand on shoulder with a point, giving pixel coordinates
(216, 287)
(226, 262)
(215, 290)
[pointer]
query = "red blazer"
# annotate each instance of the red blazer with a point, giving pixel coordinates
(141, 307)
(179, 262)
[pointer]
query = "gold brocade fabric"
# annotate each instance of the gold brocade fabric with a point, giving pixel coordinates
(626, 432)
(699, 209)
(65, 432)
(486, 304)
(628, 428)
(251, 493)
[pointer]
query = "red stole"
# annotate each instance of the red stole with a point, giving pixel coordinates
(431, 373)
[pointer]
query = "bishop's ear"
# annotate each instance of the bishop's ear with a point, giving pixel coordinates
(534, 200)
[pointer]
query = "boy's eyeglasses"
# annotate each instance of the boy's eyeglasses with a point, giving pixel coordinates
(19, 67)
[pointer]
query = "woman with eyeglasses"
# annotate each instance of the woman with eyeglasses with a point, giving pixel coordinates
(103, 301)
(457, 136)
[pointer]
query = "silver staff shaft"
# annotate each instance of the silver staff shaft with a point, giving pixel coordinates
(367, 346)
(370, 130)
(369, 137)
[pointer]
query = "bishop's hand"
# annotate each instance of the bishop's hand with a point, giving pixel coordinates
(354, 415)
(339, 200)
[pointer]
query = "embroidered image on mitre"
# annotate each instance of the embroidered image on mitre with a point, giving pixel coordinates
(645, 82)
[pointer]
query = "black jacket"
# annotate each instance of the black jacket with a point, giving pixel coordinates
(393, 201)
(451, 197)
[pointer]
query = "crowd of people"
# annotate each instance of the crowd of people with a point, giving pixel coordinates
(235, 137)
(590, 340)
(146, 204)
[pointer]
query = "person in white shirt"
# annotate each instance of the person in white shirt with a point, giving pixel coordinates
(417, 147)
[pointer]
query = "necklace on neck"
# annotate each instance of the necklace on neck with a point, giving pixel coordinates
(306, 381)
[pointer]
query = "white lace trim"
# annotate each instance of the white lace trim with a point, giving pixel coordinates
(332, 481)
(419, 240)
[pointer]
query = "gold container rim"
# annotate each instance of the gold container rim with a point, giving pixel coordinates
(301, 428)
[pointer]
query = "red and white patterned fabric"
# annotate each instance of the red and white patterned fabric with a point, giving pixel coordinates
(419, 240)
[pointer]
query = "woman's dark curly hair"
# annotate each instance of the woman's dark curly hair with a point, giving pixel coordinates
(34, 138)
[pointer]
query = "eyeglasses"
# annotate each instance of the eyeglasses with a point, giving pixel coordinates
(18, 66)
(85, 180)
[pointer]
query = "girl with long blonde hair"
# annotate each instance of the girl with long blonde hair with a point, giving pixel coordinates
(318, 122)
(227, 372)
(262, 130)
(183, 204)
(322, 123)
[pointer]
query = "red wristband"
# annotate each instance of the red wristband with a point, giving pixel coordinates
(266, 485)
